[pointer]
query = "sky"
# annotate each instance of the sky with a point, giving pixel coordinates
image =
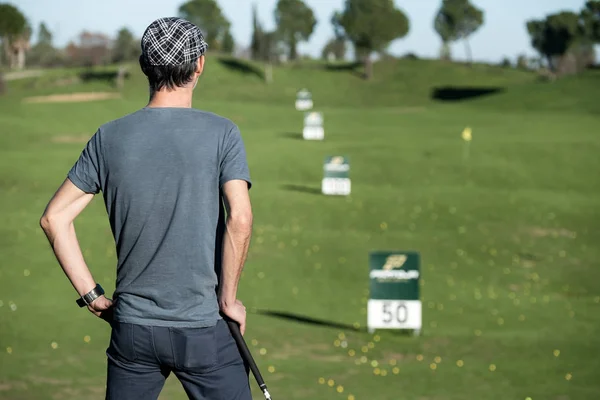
(502, 35)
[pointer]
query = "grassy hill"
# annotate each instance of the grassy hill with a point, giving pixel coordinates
(508, 238)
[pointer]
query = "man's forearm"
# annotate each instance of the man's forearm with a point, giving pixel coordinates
(66, 248)
(236, 241)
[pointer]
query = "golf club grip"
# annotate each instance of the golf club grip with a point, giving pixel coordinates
(237, 335)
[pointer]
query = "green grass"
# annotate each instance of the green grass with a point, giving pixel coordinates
(509, 239)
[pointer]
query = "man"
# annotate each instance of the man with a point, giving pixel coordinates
(165, 172)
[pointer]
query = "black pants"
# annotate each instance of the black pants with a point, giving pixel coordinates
(206, 361)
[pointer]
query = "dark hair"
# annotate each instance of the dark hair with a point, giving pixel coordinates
(169, 76)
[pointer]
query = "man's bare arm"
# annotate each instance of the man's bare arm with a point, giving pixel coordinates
(58, 225)
(236, 241)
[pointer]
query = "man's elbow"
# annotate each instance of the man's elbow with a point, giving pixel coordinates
(242, 221)
(47, 222)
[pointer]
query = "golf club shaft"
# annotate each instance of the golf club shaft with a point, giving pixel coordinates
(237, 335)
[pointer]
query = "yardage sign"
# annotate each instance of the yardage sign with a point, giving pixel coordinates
(313, 126)
(394, 301)
(304, 100)
(336, 179)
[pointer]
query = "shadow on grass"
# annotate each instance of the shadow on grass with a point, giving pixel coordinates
(450, 93)
(242, 66)
(353, 68)
(302, 189)
(105, 76)
(302, 319)
(292, 135)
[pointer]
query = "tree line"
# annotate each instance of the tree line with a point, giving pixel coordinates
(566, 39)
(368, 26)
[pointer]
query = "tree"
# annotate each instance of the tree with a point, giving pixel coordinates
(257, 35)
(228, 45)
(43, 52)
(522, 62)
(443, 28)
(265, 45)
(207, 15)
(44, 35)
(445, 52)
(19, 45)
(335, 47)
(295, 23)
(125, 47)
(13, 28)
(590, 16)
(457, 20)
(370, 26)
(555, 35)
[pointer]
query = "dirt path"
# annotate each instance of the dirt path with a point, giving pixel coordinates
(72, 97)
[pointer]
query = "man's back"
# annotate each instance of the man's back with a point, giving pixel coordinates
(175, 182)
(160, 170)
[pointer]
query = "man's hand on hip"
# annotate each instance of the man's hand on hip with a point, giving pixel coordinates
(102, 308)
(237, 312)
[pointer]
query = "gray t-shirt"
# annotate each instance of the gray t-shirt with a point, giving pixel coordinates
(161, 171)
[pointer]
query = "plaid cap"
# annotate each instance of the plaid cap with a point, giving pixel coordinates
(172, 41)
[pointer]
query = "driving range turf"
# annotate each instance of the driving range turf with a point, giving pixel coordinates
(508, 238)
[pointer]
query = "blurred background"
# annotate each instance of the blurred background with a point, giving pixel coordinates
(472, 133)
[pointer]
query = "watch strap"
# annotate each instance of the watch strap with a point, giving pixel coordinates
(89, 297)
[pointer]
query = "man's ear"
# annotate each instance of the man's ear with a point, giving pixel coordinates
(200, 65)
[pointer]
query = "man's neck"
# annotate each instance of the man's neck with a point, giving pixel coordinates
(179, 98)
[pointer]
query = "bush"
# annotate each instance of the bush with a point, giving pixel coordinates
(505, 63)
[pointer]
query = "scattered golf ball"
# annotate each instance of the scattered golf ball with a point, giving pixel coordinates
(26, 272)
(9, 350)
(438, 359)
(263, 351)
(54, 345)
(271, 369)
(433, 366)
(492, 367)
(87, 339)
(322, 381)
(556, 353)
(396, 370)
(340, 389)
(568, 377)
(331, 383)
(460, 363)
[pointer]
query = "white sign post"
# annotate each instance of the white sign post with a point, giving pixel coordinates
(304, 100)
(336, 179)
(394, 300)
(313, 126)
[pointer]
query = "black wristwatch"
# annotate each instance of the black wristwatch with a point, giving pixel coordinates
(88, 298)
